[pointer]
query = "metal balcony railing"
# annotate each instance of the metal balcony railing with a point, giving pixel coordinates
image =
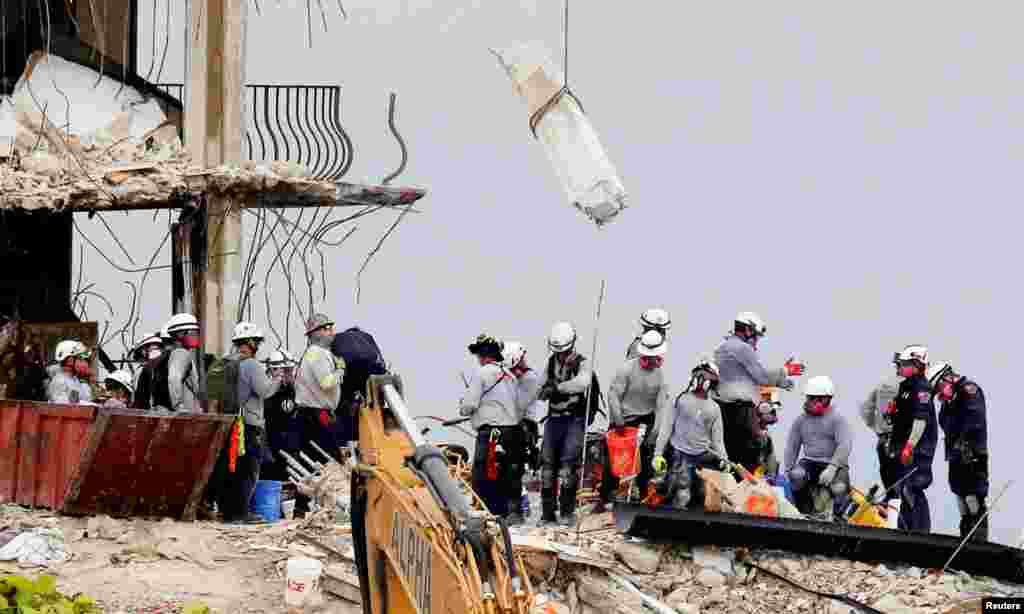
(298, 123)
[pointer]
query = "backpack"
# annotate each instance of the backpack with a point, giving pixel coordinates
(222, 383)
(595, 390)
(362, 358)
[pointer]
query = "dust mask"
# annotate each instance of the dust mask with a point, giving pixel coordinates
(945, 391)
(907, 372)
(153, 354)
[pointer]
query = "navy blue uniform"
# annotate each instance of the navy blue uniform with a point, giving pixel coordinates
(914, 402)
(962, 419)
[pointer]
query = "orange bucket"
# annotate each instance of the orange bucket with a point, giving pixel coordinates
(624, 452)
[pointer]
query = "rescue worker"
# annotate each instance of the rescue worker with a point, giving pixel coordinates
(120, 387)
(692, 436)
(740, 375)
(652, 319)
(768, 414)
(820, 478)
(182, 375)
(318, 388)
(363, 358)
(638, 395)
(148, 352)
(962, 418)
(565, 384)
(69, 377)
(915, 433)
(254, 387)
(531, 408)
(876, 411)
(284, 424)
(491, 402)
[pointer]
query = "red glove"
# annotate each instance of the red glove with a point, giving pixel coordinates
(907, 454)
(794, 368)
(325, 418)
(890, 409)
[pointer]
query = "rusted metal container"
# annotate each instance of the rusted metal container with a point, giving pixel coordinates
(91, 460)
(40, 448)
(146, 463)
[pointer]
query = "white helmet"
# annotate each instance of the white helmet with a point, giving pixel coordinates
(707, 365)
(754, 321)
(513, 354)
(656, 318)
(164, 335)
(652, 343)
(246, 330)
(937, 371)
(912, 352)
(819, 386)
(562, 337)
(68, 348)
(182, 322)
(153, 339)
(123, 378)
(280, 358)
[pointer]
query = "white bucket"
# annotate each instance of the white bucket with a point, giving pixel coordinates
(894, 514)
(303, 582)
(288, 509)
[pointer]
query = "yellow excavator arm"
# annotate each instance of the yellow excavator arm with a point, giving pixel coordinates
(424, 544)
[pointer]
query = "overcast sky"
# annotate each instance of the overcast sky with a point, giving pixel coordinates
(851, 173)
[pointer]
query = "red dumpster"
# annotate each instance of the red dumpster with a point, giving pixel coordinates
(39, 450)
(113, 461)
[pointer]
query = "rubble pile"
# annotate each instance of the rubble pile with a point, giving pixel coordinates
(583, 573)
(132, 566)
(94, 143)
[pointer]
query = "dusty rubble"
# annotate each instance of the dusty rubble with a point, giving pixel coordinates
(709, 579)
(134, 566)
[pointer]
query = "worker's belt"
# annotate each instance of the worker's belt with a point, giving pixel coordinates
(488, 428)
(315, 410)
(564, 413)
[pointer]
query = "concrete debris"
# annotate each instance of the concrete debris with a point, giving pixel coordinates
(641, 558)
(718, 559)
(710, 578)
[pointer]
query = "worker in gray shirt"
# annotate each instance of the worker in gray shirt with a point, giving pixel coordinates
(318, 380)
(740, 377)
(491, 402)
(654, 318)
(182, 375)
(691, 435)
(254, 387)
(638, 394)
(876, 411)
(826, 440)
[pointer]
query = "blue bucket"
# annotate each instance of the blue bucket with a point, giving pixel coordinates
(266, 500)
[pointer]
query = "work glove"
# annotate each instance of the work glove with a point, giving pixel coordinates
(547, 390)
(907, 455)
(890, 408)
(794, 367)
(325, 418)
(827, 475)
(659, 464)
(724, 465)
(787, 384)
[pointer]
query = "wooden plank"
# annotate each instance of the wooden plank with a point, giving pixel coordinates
(339, 582)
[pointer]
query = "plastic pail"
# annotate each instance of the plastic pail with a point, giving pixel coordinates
(266, 500)
(303, 582)
(623, 452)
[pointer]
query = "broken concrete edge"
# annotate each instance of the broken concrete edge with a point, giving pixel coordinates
(157, 186)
